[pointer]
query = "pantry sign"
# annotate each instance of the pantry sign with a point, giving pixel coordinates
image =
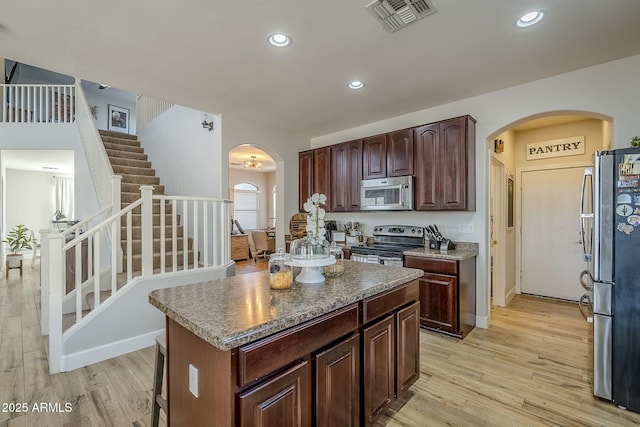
(572, 146)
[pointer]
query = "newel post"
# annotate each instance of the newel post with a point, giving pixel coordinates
(116, 206)
(56, 282)
(147, 229)
(44, 281)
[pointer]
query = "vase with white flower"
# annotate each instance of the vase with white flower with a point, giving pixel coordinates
(312, 252)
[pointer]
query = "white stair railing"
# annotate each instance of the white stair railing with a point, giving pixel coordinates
(209, 222)
(99, 163)
(27, 103)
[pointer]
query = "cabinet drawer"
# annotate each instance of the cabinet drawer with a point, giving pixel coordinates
(262, 357)
(432, 265)
(387, 302)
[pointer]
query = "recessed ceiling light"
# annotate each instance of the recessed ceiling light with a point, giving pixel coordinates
(530, 18)
(355, 85)
(279, 40)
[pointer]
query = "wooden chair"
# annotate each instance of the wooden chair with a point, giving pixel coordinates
(263, 245)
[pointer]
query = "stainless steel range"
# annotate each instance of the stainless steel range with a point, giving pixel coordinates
(390, 242)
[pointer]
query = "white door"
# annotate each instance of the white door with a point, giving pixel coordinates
(551, 251)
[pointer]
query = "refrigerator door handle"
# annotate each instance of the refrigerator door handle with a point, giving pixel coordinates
(584, 300)
(586, 252)
(587, 287)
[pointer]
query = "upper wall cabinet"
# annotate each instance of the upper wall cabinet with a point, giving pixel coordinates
(314, 174)
(374, 157)
(346, 174)
(305, 177)
(388, 155)
(400, 153)
(444, 161)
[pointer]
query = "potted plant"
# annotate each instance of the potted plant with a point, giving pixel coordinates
(18, 239)
(635, 141)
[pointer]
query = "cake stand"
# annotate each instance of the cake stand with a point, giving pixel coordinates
(311, 271)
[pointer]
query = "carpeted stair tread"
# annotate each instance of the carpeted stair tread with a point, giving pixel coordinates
(117, 134)
(156, 207)
(140, 179)
(136, 232)
(125, 154)
(121, 141)
(122, 147)
(129, 170)
(125, 161)
(136, 260)
(134, 187)
(136, 245)
(136, 219)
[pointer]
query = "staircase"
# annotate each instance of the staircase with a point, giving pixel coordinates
(129, 161)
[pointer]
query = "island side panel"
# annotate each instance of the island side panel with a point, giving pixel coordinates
(214, 405)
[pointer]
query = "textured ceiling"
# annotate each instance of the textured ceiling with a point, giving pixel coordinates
(212, 55)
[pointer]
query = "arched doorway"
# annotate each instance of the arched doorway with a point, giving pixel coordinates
(514, 210)
(258, 166)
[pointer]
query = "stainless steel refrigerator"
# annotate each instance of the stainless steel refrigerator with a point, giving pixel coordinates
(610, 229)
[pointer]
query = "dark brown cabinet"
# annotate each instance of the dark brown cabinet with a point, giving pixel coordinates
(444, 160)
(400, 153)
(447, 294)
(388, 155)
(314, 174)
(374, 157)
(322, 172)
(281, 401)
(305, 177)
(408, 346)
(337, 372)
(346, 174)
(379, 368)
(391, 353)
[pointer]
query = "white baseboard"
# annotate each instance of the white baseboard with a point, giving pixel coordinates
(107, 351)
(482, 322)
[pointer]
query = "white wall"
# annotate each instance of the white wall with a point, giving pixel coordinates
(186, 156)
(46, 136)
(101, 98)
(29, 198)
(610, 89)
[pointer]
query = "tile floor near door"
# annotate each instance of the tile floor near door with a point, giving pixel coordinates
(531, 368)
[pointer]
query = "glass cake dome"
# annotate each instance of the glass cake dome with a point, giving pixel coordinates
(309, 248)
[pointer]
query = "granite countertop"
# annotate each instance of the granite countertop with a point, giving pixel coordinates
(462, 251)
(233, 311)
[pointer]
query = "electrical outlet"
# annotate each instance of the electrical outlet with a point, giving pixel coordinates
(193, 380)
(466, 228)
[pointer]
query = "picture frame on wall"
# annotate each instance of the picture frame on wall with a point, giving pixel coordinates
(118, 120)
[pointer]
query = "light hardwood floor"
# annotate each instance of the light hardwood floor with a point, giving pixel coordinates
(532, 367)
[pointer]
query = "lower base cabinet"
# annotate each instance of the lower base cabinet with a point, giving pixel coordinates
(281, 401)
(337, 375)
(447, 294)
(391, 360)
(341, 369)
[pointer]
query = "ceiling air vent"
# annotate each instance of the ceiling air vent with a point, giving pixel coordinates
(397, 14)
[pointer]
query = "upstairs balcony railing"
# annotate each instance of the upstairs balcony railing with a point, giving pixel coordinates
(27, 103)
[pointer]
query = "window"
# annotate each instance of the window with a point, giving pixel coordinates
(272, 220)
(245, 205)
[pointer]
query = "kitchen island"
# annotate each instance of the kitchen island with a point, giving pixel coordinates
(335, 353)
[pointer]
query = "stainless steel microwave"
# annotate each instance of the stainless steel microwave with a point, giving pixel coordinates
(387, 194)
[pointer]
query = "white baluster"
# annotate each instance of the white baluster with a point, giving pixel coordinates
(147, 230)
(57, 276)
